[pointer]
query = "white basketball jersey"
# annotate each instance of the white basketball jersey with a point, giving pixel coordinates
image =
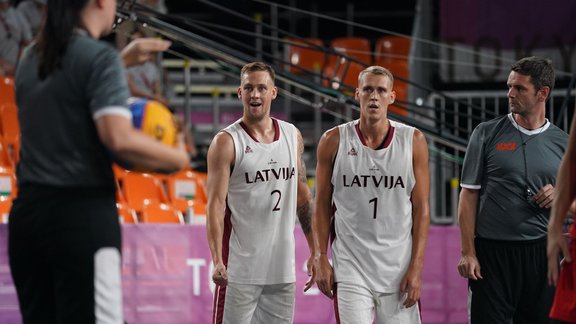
(261, 207)
(373, 211)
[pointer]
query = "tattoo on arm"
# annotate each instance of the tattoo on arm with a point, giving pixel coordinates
(304, 213)
(302, 172)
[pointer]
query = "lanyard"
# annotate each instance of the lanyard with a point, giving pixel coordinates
(529, 193)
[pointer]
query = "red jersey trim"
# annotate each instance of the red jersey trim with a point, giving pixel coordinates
(276, 130)
(385, 143)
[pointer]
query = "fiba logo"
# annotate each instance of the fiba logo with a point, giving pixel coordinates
(158, 132)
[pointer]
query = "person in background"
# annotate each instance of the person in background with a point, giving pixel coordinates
(256, 186)
(372, 194)
(15, 34)
(564, 307)
(144, 80)
(508, 186)
(64, 238)
(33, 12)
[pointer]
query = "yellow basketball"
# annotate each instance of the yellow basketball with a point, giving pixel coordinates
(154, 119)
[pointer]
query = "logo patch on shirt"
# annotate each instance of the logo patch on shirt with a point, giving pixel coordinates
(248, 150)
(506, 146)
(272, 162)
(352, 152)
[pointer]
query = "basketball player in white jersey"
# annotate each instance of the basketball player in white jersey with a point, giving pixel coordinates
(372, 191)
(256, 186)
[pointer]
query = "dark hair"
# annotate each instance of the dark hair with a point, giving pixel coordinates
(62, 16)
(539, 69)
(258, 66)
(378, 70)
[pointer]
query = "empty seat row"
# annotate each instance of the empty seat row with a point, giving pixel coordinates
(7, 94)
(340, 72)
(159, 198)
(140, 197)
(310, 54)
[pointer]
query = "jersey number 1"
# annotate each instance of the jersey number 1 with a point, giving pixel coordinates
(375, 201)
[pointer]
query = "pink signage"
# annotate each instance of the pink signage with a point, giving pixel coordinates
(166, 278)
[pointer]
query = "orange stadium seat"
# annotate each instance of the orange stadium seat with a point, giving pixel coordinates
(355, 47)
(339, 69)
(305, 55)
(5, 159)
(10, 129)
(187, 190)
(389, 48)
(119, 171)
(7, 92)
(392, 53)
(126, 214)
(8, 191)
(161, 213)
(141, 189)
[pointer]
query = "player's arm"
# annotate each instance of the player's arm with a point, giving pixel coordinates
(141, 50)
(472, 176)
(221, 156)
(565, 195)
(468, 267)
(129, 144)
(304, 205)
(420, 198)
(326, 153)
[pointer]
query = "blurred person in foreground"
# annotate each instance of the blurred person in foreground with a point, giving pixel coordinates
(564, 307)
(64, 239)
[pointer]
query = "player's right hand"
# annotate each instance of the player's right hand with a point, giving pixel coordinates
(324, 275)
(311, 273)
(469, 267)
(220, 275)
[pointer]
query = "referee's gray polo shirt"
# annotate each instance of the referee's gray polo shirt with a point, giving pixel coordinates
(494, 164)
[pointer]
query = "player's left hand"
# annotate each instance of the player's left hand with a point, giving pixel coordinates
(410, 286)
(557, 243)
(545, 196)
(311, 273)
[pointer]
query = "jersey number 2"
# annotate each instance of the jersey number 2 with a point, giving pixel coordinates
(276, 208)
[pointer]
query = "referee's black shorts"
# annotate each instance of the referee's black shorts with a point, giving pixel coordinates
(514, 288)
(64, 247)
